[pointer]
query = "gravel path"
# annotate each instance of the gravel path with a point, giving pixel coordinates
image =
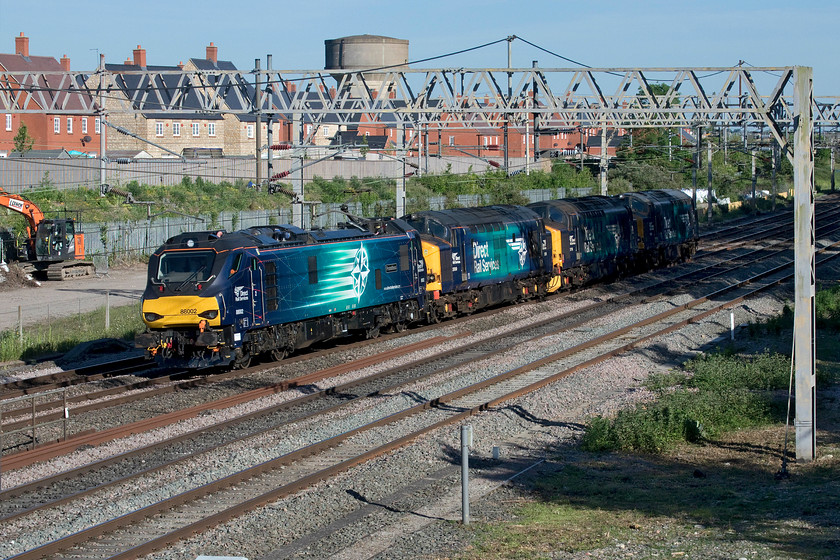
(68, 297)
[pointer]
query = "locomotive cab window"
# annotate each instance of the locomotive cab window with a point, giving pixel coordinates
(185, 266)
(405, 262)
(237, 262)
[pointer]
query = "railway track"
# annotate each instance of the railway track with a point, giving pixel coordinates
(723, 266)
(688, 278)
(447, 401)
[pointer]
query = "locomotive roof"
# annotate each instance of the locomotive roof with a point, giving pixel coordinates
(477, 216)
(582, 204)
(274, 235)
(658, 195)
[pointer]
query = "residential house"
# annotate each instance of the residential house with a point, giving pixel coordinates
(213, 132)
(50, 129)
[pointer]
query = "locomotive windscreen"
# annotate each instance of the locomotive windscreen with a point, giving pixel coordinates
(181, 266)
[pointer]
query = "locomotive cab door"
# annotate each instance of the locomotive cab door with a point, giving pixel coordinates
(246, 283)
(257, 300)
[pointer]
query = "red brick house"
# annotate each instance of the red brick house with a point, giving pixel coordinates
(55, 130)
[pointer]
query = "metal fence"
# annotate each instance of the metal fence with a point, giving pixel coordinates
(22, 174)
(33, 321)
(133, 239)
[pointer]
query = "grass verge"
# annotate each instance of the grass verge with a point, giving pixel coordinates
(717, 495)
(60, 335)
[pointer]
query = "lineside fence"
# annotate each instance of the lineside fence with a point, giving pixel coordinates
(35, 323)
(22, 174)
(118, 241)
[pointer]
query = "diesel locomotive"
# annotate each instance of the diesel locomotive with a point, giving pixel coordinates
(220, 299)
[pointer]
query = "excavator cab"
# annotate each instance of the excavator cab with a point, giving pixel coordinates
(57, 240)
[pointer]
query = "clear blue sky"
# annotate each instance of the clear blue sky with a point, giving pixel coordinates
(607, 33)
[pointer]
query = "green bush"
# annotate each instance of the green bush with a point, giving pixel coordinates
(719, 393)
(828, 308)
(721, 373)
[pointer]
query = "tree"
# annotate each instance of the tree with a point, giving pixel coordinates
(23, 142)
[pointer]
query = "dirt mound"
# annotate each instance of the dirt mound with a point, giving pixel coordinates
(13, 277)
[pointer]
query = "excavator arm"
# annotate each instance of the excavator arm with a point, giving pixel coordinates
(30, 211)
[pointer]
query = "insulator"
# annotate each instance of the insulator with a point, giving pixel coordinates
(281, 147)
(493, 163)
(280, 175)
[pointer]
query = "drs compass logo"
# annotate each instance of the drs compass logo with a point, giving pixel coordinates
(360, 272)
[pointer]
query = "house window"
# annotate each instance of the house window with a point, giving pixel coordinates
(451, 140)
(69, 125)
(8, 122)
(84, 125)
(308, 129)
(176, 129)
(158, 129)
(250, 130)
(97, 126)
(326, 132)
(195, 128)
(56, 125)
(211, 129)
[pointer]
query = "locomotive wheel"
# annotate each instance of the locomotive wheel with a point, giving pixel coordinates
(278, 354)
(242, 362)
(372, 332)
(399, 327)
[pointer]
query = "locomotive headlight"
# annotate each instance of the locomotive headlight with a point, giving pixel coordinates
(152, 317)
(209, 314)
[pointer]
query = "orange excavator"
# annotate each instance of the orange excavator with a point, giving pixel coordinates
(52, 246)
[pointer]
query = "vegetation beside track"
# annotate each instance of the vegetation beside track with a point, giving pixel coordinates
(61, 334)
(697, 473)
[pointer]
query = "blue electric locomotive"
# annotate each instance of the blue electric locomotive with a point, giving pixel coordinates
(480, 257)
(223, 298)
(219, 299)
(666, 226)
(597, 237)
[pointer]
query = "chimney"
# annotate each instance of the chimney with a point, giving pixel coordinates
(128, 62)
(181, 64)
(139, 56)
(332, 92)
(212, 52)
(22, 45)
(65, 63)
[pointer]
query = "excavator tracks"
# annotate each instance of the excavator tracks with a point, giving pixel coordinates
(69, 270)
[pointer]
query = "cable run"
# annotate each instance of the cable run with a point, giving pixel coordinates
(551, 52)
